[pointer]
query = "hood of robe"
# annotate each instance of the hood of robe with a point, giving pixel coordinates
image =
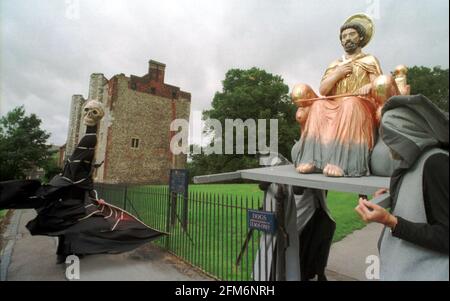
(412, 124)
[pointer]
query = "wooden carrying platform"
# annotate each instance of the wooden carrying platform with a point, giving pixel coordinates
(286, 174)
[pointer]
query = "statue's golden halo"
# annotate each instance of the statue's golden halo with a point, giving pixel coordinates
(366, 22)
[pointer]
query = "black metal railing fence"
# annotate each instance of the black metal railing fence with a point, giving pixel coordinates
(215, 237)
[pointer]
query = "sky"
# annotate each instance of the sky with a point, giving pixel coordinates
(49, 48)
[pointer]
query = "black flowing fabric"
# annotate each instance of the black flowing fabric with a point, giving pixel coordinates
(20, 194)
(68, 207)
(315, 243)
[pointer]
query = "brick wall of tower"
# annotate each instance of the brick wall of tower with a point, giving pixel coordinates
(102, 134)
(135, 108)
(75, 120)
(143, 116)
(96, 84)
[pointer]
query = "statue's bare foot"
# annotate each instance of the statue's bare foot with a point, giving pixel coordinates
(306, 168)
(331, 170)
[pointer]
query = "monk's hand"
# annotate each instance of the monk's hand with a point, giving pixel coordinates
(344, 70)
(370, 212)
(380, 192)
(364, 90)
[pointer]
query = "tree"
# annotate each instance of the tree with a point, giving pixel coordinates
(432, 83)
(22, 144)
(249, 94)
(51, 167)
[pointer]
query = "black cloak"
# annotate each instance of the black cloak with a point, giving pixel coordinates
(68, 207)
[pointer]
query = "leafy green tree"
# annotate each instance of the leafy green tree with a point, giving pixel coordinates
(249, 94)
(431, 82)
(22, 144)
(51, 167)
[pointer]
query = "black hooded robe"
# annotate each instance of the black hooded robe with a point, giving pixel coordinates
(69, 208)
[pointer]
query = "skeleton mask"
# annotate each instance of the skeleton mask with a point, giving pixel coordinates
(92, 112)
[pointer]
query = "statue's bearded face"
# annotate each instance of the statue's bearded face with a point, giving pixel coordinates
(350, 40)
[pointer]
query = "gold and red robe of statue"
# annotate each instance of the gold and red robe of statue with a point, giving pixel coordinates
(341, 131)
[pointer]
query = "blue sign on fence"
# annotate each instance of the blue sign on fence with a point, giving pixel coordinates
(262, 220)
(179, 180)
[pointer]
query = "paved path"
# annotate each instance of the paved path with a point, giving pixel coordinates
(347, 259)
(27, 257)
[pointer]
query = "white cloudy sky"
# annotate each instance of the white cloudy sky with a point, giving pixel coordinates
(49, 48)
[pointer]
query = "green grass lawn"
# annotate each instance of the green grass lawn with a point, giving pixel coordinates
(2, 214)
(217, 223)
(341, 204)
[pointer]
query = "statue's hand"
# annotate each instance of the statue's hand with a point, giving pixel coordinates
(101, 202)
(344, 70)
(378, 114)
(302, 115)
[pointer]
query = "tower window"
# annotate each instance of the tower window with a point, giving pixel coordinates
(134, 143)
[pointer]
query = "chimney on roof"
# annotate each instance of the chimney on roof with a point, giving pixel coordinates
(156, 71)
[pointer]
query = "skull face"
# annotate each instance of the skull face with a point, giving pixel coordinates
(92, 112)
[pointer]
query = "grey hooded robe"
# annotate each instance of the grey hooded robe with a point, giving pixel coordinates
(415, 129)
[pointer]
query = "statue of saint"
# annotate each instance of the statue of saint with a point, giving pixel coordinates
(338, 130)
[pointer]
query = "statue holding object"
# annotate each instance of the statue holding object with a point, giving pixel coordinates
(400, 75)
(338, 130)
